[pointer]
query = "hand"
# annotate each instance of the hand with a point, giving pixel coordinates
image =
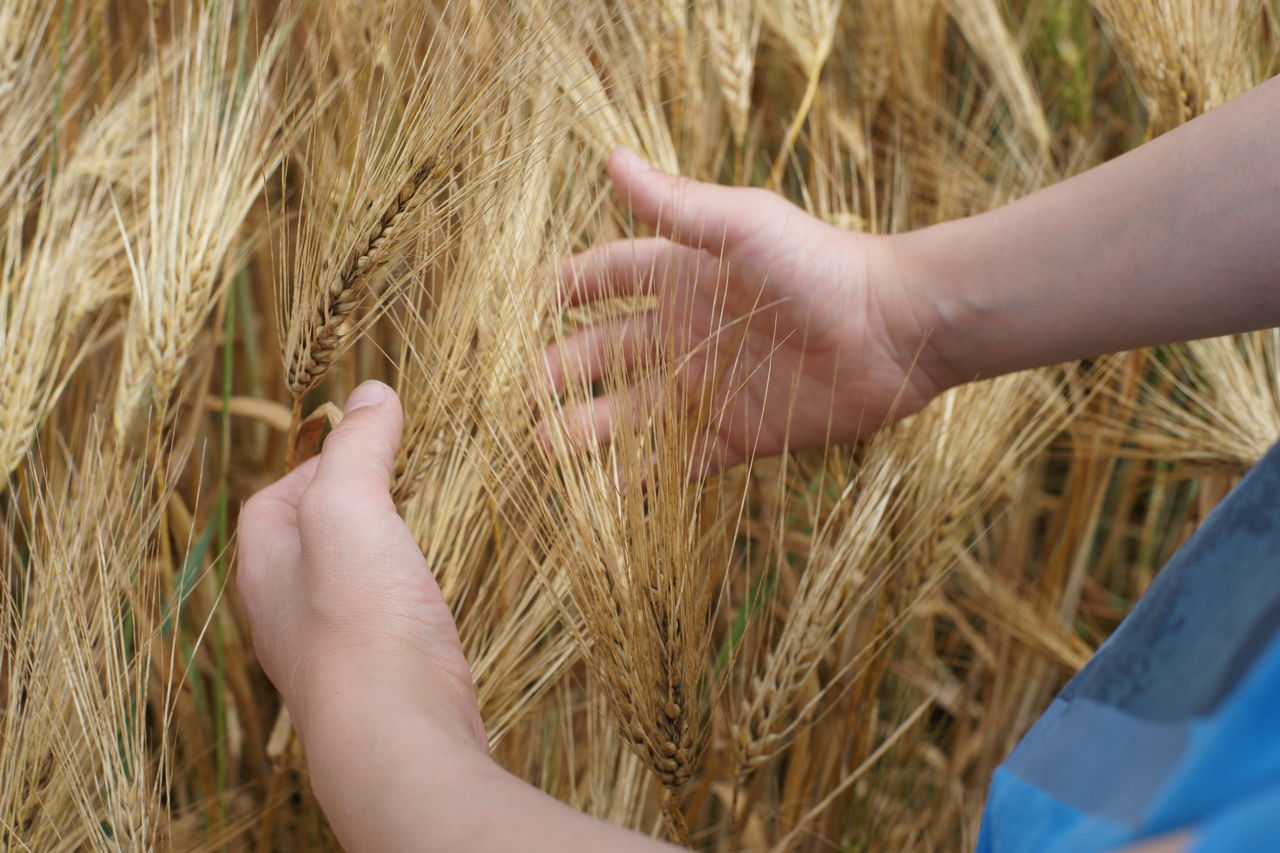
(344, 609)
(817, 327)
(351, 628)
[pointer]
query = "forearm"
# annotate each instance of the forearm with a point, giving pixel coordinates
(391, 778)
(1176, 240)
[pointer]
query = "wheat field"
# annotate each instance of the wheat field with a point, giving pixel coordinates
(219, 217)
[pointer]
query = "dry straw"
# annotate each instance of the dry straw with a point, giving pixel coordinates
(214, 139)
(416, 119)
(829, 649)
(78, 658)
(733, 32)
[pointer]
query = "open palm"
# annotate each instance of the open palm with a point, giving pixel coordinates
(786, 332)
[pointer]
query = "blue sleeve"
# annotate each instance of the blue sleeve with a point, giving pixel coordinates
(1249, 825)
(1174, 723)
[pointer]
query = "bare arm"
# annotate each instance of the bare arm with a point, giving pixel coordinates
(1173, 241)
(392, 780)
(1176, 240)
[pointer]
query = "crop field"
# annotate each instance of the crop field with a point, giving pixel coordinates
(218, 217)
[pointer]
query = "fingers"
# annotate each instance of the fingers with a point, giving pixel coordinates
(620, 268)
(690, 212)
(595, 422)
(601, 421)
(274, 508)
(617, 346)
(709, 454)
(267, 531)
(358, 459)
(286, 491)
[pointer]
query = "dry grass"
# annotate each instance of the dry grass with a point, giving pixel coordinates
(82, 648)
(217, 125)
(828, 650)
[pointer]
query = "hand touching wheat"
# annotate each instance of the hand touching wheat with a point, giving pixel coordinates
(350, 625)
(337, 590)
(783, 330)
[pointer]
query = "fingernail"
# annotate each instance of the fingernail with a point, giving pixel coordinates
(369, 393)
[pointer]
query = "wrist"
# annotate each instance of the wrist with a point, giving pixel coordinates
(909, 266)
(343, 696)
(385, 776)
(959, 281)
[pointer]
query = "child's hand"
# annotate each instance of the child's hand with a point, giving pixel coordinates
(350, 626)
(344, 608)
(832, 335)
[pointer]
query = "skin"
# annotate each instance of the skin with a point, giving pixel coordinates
(350, 626)
(1173, 241)
(829, 322)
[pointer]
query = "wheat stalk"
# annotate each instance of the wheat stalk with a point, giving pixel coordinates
(462, 382)
(214, 142)
(652, 648)
(1186, 55)
(334, 320)
(985, 29)
(807, 28)
(41, 337)
(76, 762)
(733, 28)
(371, 201)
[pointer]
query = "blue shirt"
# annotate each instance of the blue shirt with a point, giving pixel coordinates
(1175, 722)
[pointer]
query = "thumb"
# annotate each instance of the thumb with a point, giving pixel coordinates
(690, 212)
(359, 456)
